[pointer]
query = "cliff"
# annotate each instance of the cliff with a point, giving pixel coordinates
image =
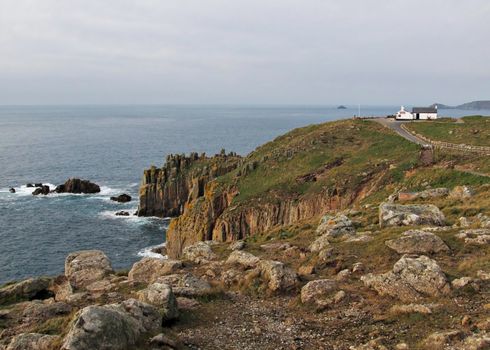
(165, 190)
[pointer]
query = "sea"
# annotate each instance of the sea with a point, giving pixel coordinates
(111, 146)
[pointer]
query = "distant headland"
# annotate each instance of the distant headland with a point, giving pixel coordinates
(475, 105)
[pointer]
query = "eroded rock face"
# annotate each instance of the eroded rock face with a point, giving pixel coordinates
(335, 226)
(408, 215)
(411, 279)
(245, 259)
(78, 186)
(161, 296)
(199, 253)
(317, 290)
(417, 242)
(32, 288)
(117, 326)
(87, 266)
(279, 276)
(33, 341)
(147, 270)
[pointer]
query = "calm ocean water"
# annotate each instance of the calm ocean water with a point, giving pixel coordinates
(111, 145)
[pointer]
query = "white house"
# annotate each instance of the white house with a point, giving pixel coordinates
(422, 113)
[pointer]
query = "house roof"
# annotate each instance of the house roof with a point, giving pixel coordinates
(424, 110)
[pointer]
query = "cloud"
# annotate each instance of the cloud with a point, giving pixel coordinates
(269, 51)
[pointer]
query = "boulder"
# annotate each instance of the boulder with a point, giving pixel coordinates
(122, 213)
(116, 326)
(147, 270)
(245, 259)
(411, 279)
(30, 289)
(319, 244)
(417, 242)
(462, 282)
(44, 190)
(12, 190)
(238, 245)
(279, 276)
(462, 192)
(161, 296)
(122, 198)
(85, 267)
(408, 215)
(335, 226)
(77, 186)
(186, 285)
(33, 341)
(38, 311)
(199, 253)
(316, 290)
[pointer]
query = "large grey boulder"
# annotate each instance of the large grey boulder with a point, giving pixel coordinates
(335, 226)
(161, 296)
(411, 279)
(410, 215)
(117, 326)
(147, 270)
(85, 267)
(33, 341)
(279, 276)
(417, 242)
(199, 253)
(28, 289)
(245, 259)
(186, 285)
(317, 290)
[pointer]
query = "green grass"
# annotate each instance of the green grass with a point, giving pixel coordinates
(474, 131)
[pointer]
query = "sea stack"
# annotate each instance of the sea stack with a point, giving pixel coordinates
(77, 186)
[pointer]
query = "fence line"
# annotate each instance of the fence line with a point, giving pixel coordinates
(456, 146)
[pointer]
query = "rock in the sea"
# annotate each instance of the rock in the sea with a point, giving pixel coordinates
(199, 253)
(122, 213)
(317, 290)
(335, 226)
(117, 326)
(123, 198)
(87, 266)
(417, 242)
(245, 259)
(78, 186)
(161, 296)
(279, 276)
(44, 190)
(406, 215)
(32, 288)
(186, 285)
(147, 270)
(12, 190)
(29, 185)
(412, 278)
(33, 341)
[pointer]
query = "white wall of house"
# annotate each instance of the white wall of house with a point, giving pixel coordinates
(427, 115)
(402, 114)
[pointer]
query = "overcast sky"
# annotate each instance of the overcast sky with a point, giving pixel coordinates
(244, 51)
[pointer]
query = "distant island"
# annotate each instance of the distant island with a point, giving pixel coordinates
(341, 107)
(475, 105)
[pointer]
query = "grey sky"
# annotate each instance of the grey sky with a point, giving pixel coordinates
(250, 51)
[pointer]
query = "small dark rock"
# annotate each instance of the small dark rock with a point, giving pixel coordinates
(122, 213)
(44, 190)
(38, 184)
(123, 198)
(12, 190)
(29, 185)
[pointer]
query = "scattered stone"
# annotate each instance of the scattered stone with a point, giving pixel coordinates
(461, 282)
(184, 303)
(319, 244)
(30, 289)
(122, 198)
(411, 279)
(161, 296)
(462, 192)
(186, 285)
(464, 222)
(122, 213)
(86, 267)
(317, 289)
(483, 275)
(275, 246)
(479, 236)
(408, 215)
(325, 254)
(163, 341)
(440, 340)
(417, 242)
(343, 275)
(279, 277)
(306, 270)
(357, 267)
(199, 253)
(411, 308)
(245, 259)
(238, 245)
(44, 190)
(335, 226)
(77, 186)
(33, 341)
(148, 270)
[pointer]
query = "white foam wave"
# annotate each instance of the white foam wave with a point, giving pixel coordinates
(148, 252)
(24, 190)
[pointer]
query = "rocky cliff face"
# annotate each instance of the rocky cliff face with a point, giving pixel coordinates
(164, 191)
